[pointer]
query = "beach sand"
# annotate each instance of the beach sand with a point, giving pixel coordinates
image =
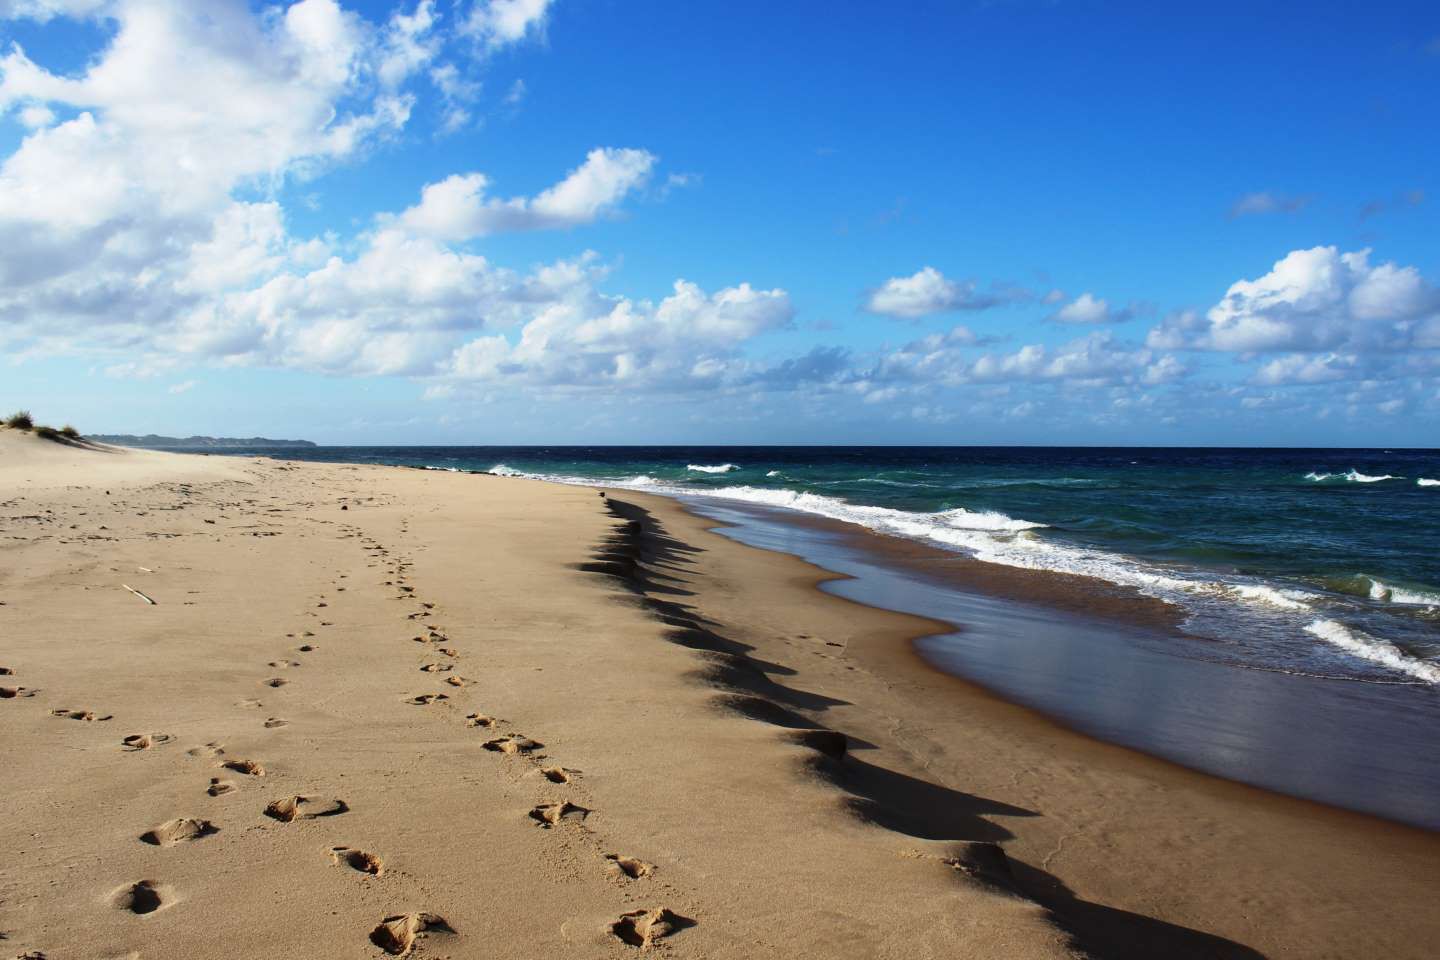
(375, 710)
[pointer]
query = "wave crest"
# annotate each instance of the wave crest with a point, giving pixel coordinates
(707, 468)
(1374, 649)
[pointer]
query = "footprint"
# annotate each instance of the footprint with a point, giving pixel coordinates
(284, 663)
(628, 867)
(480, 720)
(179, 830)
(437, 667)
(218, 787)
(307, 648)
(6, 672)
(358, 860)
(642, 928)
(249, 702)
(274, 722)
(425, 699)
(549, 814)
(10, 693)
(144, 741)
(144, 896)
(449, 651)
(85, 715)
(558, 774)
(397, 935)
(512, 743)
(211, 749)
(276, 682)
(248, 767)
(304, 808)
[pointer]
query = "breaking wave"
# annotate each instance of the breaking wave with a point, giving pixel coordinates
(1374, 649)
(705, 468)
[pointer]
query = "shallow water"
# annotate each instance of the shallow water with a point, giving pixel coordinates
(1365, 747)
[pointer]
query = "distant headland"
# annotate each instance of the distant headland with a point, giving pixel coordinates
(155, 442)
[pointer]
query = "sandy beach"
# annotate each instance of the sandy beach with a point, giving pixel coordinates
(265, 709)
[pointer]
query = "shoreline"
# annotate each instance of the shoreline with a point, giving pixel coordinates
(778, 767)
(1269, 846)
(1118, 631)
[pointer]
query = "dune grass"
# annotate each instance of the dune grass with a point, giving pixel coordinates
(20, 420)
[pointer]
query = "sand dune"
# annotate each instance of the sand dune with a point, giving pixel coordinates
(381, 712)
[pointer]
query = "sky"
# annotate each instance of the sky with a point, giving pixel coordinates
(610, 222)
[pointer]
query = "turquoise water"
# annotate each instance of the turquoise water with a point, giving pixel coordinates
(1320, 562)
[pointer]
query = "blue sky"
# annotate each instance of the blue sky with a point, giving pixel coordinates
(465, 222)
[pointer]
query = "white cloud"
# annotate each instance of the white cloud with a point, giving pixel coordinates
(1083, 309)
(184, 387)
(1315, 300)
(36, 116)
(498, 23)
(928, 291)
(689, 339)
(456, 208)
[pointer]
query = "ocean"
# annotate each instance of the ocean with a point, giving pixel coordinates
(1316, 564)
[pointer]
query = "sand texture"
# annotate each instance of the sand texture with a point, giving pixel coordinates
(259, 709)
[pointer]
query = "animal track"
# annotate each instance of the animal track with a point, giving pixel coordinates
(304, 808)
(641, 928)
(276, 682)
(274, 722)
(449, 651)
(512, 743)
(248, 767)
(179, 830)
(85, 715)
(10, 693)
(437, 667)
(307, 648)
(358, 860)
(549, 814)
(211, 749)
(425, 699)
(628, 867)
(218, 787)
(142, 897)
(144, 741)
(284, 663)
(456, 681)
(558, 774)
(397, 935)
(480, 720)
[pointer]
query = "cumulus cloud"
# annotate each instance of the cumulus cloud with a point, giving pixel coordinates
(456, 208)
(1090, 309)
(1315, 300)
(928, 291)
(498, 23)
(1253, 204)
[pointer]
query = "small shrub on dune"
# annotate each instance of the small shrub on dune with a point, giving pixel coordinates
(47, 433)
(70, 432)
(20, 420)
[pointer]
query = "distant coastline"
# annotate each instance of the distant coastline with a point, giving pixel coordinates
(153, 441)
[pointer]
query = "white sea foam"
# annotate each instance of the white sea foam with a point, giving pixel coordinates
(707, 468)
(1427, 482)
(776, 473)
(501, 470)
(1374, 649)
(1355, 476)
(1380, 590)
(1318, 477)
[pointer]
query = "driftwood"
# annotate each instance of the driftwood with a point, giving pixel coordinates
(138, 594)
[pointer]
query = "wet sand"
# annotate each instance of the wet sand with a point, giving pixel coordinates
(376, 711)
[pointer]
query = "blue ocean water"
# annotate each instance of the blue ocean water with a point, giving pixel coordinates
(1319, 562)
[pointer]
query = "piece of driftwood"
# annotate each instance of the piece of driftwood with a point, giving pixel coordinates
(138, 594)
